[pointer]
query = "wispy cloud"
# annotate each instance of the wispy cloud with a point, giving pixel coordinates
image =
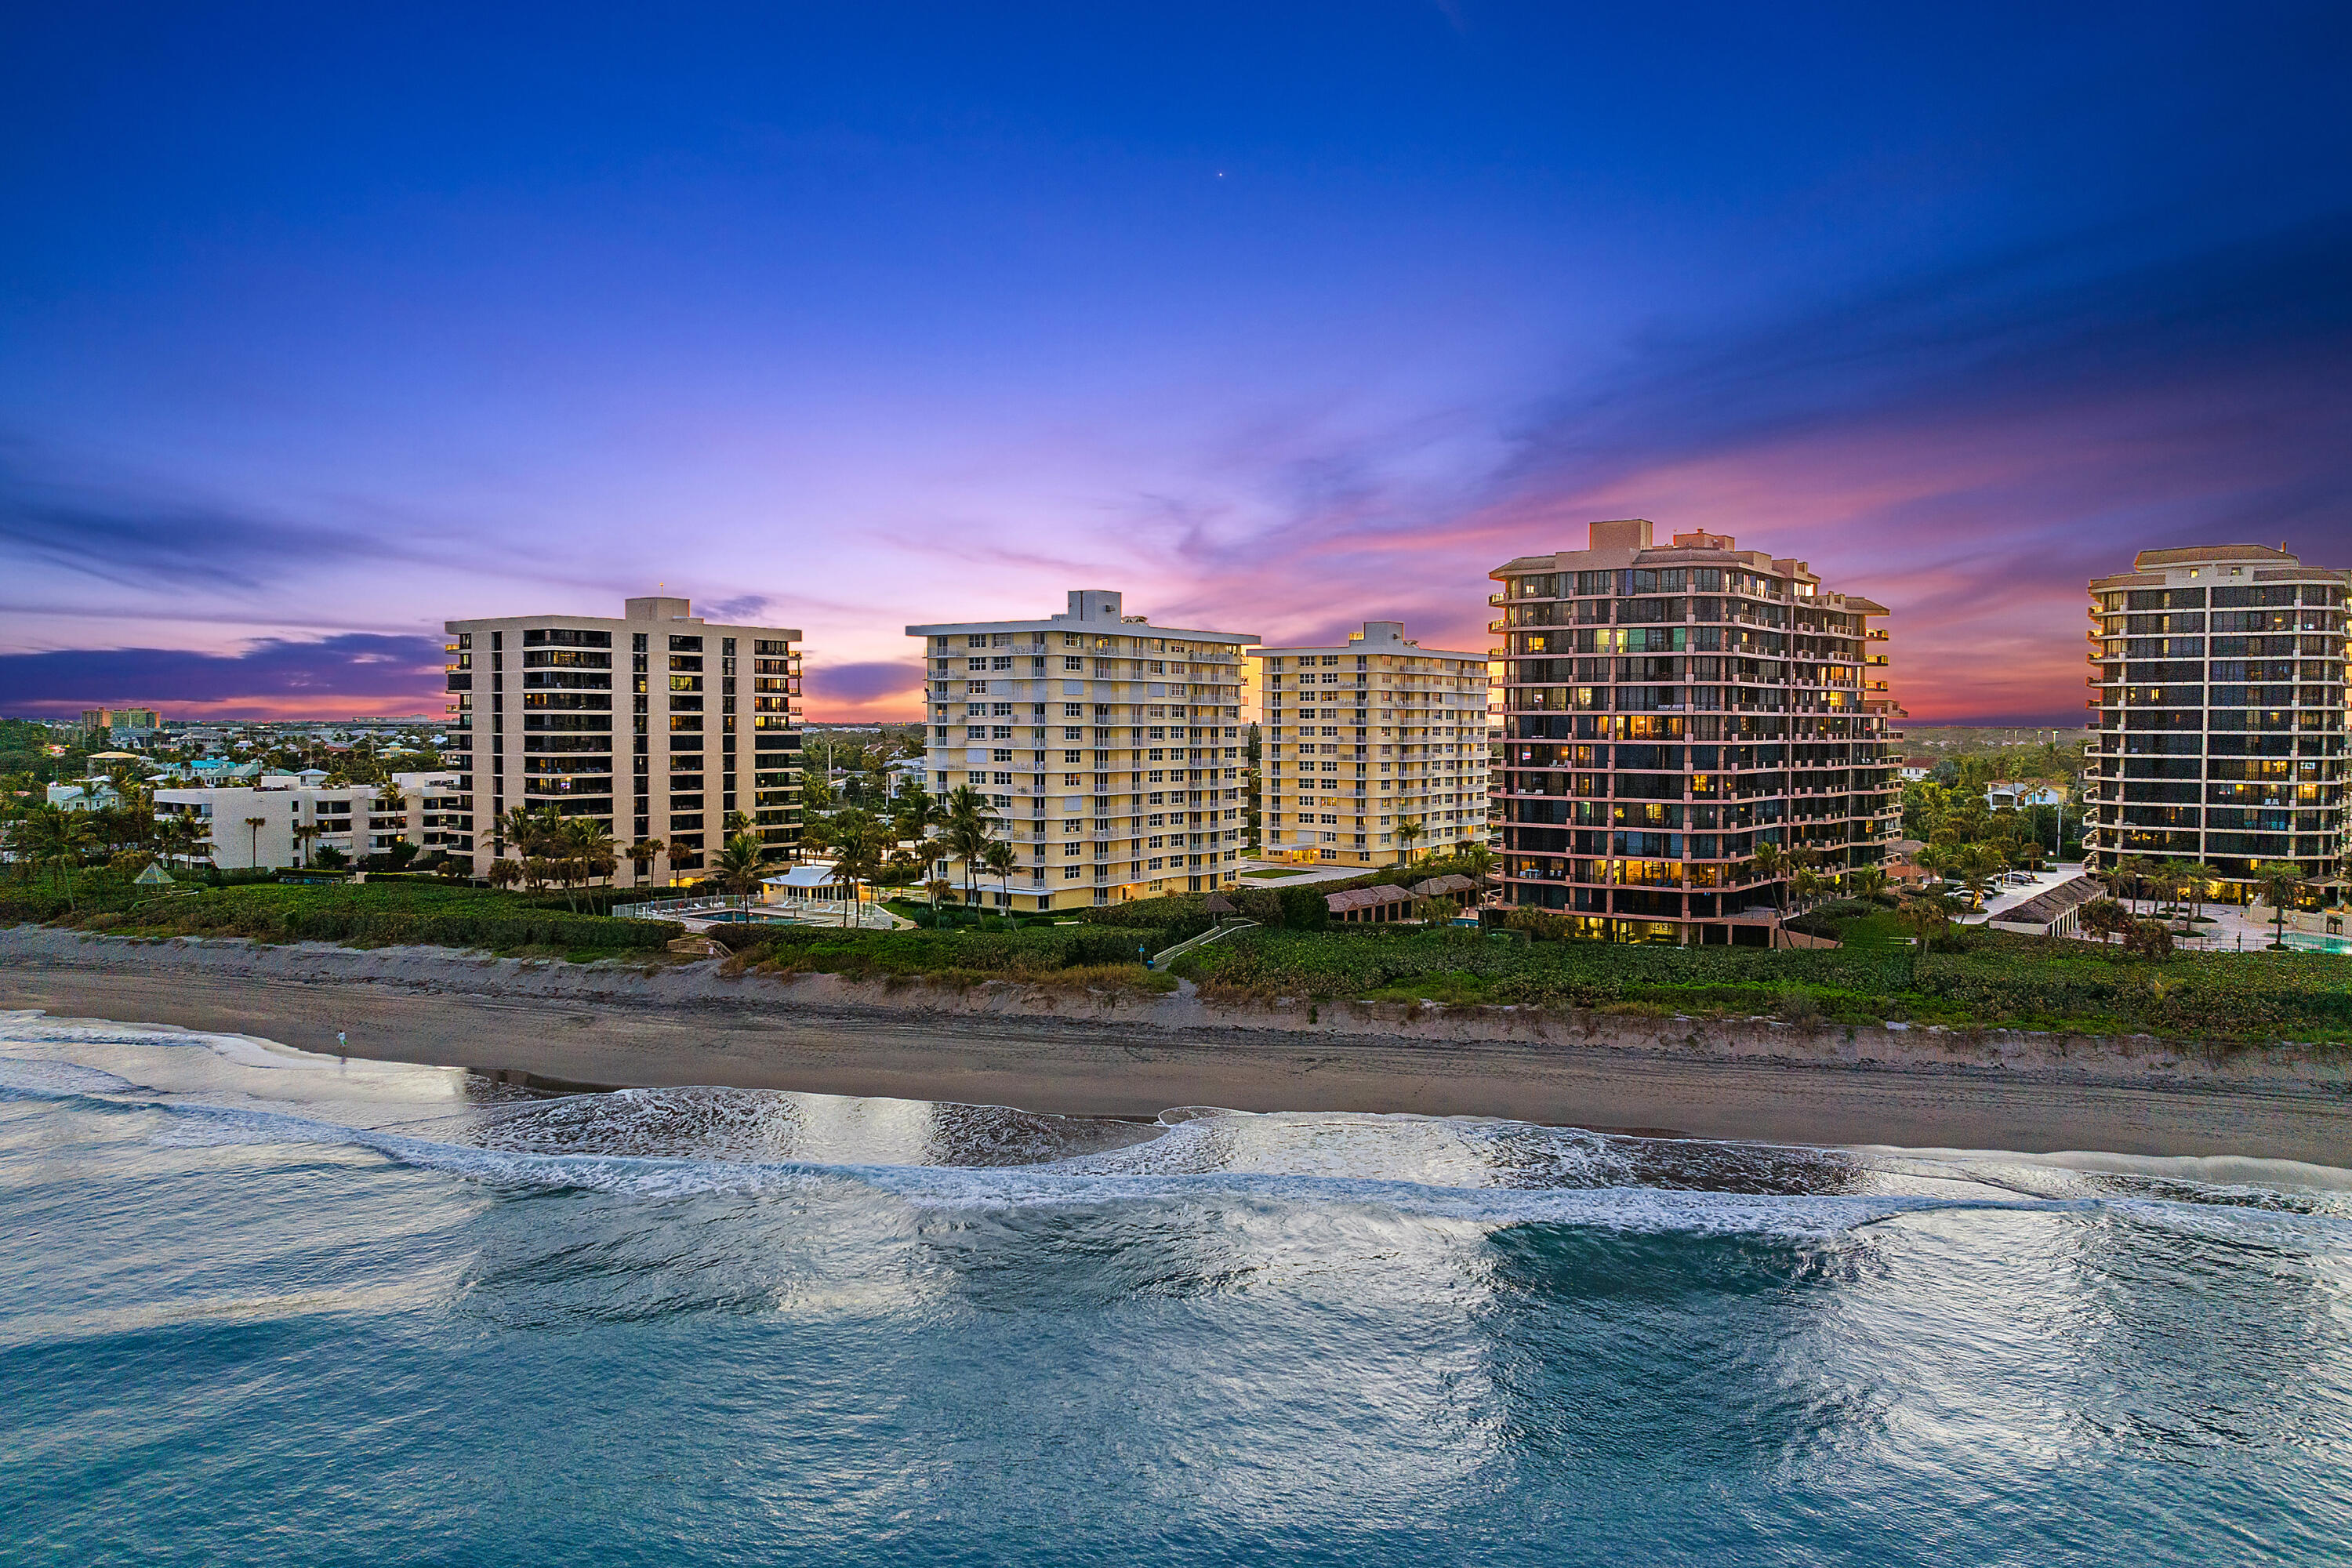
(1970, 446)
(356, 673)
(838, 686)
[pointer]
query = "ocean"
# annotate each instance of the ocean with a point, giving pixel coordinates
(259, 1305)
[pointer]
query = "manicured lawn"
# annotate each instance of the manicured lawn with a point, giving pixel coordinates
(1276, 872)
(1881, 930)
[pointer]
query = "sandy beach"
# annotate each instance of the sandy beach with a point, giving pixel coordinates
(614, 1026)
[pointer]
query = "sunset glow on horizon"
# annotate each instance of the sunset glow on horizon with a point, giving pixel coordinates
(321, 330)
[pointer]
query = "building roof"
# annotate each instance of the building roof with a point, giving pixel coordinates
(2181, 557)
(1367, 898)
(1452, 882)
(801, 877)
(2044, 908)
(1095, 610)
(1378, 637)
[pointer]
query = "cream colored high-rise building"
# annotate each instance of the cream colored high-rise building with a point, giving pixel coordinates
(1109, 748)
(659, 725)
(1373, 752)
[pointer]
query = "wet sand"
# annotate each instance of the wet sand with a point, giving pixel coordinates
(1113, 1067)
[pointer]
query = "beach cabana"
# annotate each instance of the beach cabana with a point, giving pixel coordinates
(1361, 906)
(1455, 889)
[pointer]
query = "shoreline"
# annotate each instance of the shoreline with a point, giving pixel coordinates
(1085, 1054)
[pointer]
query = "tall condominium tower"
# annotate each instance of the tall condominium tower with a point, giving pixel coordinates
(659, 725)
(1109, 747)
(1666, 710)
(2219, 674)
(1374, 751)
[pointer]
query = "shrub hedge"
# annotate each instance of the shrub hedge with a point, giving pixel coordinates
(1038, 952)
(2001, 981)
(369, 914)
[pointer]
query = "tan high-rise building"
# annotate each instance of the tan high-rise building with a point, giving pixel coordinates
(2219, 695)
(1373, 752)
(1109, 748)
(658, 724)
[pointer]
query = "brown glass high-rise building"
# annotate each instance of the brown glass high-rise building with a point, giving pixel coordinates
(1669, 708)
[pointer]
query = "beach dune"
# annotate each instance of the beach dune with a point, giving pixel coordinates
(568, 1025)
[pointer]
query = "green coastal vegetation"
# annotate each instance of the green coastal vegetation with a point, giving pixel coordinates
(1292, 957)
(377, 913)
(126, 872)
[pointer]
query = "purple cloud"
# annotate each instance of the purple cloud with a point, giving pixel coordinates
(355, 670)
(868, 682)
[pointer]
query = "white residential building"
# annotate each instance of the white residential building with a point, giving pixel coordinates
(1109, 747)
(283, 821)
(1374, 751)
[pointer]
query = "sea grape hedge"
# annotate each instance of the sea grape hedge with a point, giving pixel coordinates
(2002, 980)
(1033, 951)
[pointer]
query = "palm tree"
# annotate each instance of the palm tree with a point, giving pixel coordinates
(1866, 881)
(2176, 877)
(2202, 876)
(1001, 862)
(968, 828)
(1928, 913)
(2279, 883)
(52, 836)
(2136, 871)
(859, 845)
(587, 851)
(253, 825)
(2104, 918)
(1974, 866)
(1407, 831)
(641, 855)
(1806, 885)
(1768, 862)
(915, 812)
(304, 832)
(179, 835)
(737, 865)
(517, 828)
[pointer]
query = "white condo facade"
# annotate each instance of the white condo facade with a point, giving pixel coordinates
(1109, 748)
(281, 821)
(1374, 751)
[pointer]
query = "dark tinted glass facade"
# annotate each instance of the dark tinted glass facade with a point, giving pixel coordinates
(1668, 710)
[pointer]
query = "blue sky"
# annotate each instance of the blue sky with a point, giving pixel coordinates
(320, 329)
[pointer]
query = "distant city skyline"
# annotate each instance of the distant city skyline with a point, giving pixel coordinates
(317, 330)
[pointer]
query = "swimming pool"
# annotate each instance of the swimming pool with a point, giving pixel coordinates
(2304, 941)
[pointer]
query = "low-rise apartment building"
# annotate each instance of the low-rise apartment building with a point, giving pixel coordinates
(1109, 748)
(2217, 687)
(1373, 752)
(282, 820)
(660, 724)
(1669, 710)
